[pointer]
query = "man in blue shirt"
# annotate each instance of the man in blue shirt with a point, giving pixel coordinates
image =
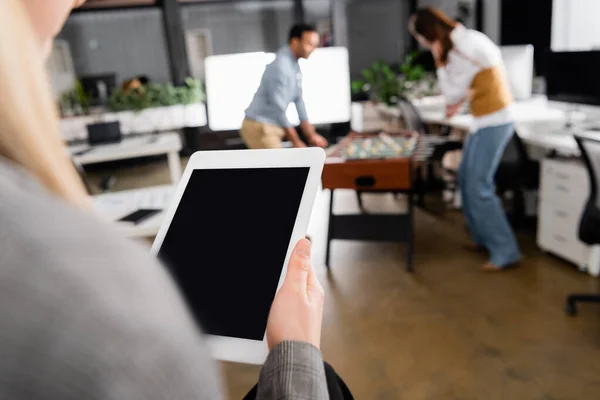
(266, 123)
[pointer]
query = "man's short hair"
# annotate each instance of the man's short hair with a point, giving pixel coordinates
(298, 30)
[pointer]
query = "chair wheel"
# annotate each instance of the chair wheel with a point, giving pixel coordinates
(571, 309)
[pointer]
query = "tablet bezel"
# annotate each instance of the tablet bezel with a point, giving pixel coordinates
(238, 349)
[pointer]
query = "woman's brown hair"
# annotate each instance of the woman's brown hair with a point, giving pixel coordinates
(433, 25)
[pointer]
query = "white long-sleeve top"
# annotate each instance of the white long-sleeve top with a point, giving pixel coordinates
(475, 71)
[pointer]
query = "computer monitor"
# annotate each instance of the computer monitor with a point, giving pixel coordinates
(232, 80)
(518, 61)
(326, 87)
(572, 77)
(99, 87)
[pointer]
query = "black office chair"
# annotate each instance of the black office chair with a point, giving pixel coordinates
(412, 117)
(430, 182)
(589, 225)
(517, 173)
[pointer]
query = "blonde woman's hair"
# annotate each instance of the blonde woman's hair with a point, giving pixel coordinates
(29, 125)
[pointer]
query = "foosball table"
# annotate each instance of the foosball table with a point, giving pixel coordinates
(374, 162)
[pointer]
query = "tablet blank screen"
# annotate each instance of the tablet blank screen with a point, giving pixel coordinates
(227, 243)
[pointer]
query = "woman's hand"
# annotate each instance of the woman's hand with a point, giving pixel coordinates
(451, 110)
(297, 311)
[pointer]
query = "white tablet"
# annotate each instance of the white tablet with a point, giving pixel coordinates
(228, 235)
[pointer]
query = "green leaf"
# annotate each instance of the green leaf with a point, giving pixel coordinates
(357, 86)
(368, 74)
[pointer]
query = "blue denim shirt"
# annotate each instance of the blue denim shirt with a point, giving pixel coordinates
(280, 85)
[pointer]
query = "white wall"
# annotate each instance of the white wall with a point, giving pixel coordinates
(575, 25)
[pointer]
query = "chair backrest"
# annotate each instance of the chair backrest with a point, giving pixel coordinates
(589, 225)
(512, 164)
(412, 117)
(515, 152)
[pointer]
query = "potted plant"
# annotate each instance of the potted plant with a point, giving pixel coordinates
(74, 108)
(177, 108)
(152, 107)
(192, 96)
(379, 82)
(172, 113)
(120, 103)
(412, 74)
(157, 113)
(141, 102)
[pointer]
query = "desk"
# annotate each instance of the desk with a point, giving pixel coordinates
(114, 205)
(523, 112)
(538, 125)
(547, 137)
(430, 102)
(168, 143)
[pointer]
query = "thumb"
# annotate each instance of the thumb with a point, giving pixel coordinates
(299, 265)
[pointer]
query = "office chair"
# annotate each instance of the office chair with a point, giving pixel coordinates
(517, 173)
(430, 182)
(589, 225)
(412, 117)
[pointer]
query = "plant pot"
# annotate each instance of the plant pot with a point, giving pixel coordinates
(126, 121)
(177, 116)
(195, 115)
(143, 121)
(77, 127)
(68, 129)
(161, 118)
(109, 117)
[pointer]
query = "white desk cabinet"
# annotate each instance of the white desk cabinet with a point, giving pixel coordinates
(564, 190)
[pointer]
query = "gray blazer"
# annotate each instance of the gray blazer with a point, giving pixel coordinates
(85, 314)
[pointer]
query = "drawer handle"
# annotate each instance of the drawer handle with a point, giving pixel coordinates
(560, 238)
(562, 188)
(365, 181)
(561, 176)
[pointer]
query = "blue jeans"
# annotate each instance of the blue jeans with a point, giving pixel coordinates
(485, 216)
